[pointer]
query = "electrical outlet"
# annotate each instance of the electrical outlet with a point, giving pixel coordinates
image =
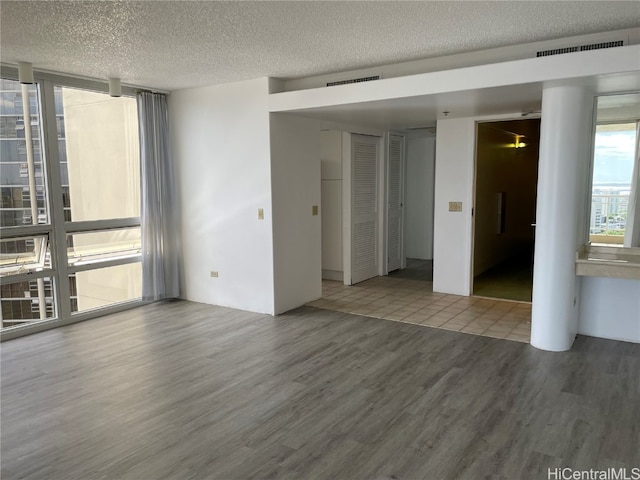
(261, 214)
(213, 274)
(314, 210)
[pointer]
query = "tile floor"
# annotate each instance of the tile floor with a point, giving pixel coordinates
(413, 301)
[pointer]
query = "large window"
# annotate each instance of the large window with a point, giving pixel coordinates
(70, 209)
(615, 150)
(99, 154)
(22, 179)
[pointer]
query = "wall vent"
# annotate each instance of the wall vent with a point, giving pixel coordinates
(580, 48)
(353, 80)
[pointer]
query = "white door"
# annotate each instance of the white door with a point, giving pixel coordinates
(395, 202)
(364, 207)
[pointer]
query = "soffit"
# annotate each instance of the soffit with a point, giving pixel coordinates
(179, 44)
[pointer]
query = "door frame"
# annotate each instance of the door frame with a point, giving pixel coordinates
(386, 188)
(489, 119)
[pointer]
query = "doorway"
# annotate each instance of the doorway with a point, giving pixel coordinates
(350, 197)
(505, 206)
(419, 198)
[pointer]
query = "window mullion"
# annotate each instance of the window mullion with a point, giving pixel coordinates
(56, 206)
(26, 231)
(93, 225)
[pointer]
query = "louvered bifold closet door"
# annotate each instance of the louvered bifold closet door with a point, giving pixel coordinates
(394, 212)
(364, 207)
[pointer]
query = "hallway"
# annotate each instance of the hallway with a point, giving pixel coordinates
(413, 301)
(510, 280)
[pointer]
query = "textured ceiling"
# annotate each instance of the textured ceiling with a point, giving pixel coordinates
(176, 44)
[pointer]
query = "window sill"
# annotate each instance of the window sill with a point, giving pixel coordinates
(611, 262)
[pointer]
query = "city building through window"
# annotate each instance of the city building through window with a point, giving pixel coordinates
(614, 191)
(70, 203)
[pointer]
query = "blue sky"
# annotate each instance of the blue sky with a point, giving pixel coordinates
(613, 157)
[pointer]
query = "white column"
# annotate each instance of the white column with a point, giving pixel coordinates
(565, 146)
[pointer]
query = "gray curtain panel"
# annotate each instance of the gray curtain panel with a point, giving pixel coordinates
(632, 229)
(160, 225)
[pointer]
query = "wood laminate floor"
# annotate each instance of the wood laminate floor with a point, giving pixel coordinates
(182, 390)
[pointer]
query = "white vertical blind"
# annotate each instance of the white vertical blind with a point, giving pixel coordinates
(632, 230)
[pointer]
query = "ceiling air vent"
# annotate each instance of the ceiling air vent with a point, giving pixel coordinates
(353, 80)
(580, 48)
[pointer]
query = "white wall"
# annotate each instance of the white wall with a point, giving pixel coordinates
(610, 308)
(455, 150)
(295, 180)
(419, 197)
(221, 149)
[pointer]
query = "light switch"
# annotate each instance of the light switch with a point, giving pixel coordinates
(455, 206)
(314, 210)
(261, 214)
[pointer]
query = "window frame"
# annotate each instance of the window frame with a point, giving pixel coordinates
(588, 191)
(57, 228)
(635, 123)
